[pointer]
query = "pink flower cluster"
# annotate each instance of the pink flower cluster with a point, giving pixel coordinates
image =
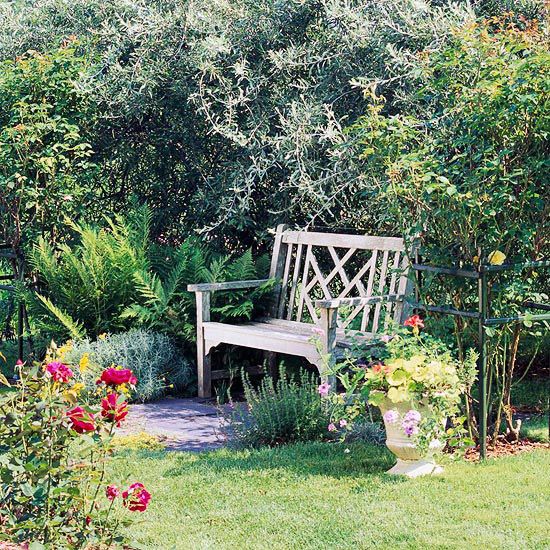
(410, 422)
(342, 423)
(59, 372)
(324, 389)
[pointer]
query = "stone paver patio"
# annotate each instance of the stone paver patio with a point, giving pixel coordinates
(182, 424)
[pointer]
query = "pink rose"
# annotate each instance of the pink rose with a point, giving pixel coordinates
(136, 498)
(117, 377)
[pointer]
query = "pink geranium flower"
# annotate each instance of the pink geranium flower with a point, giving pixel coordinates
(332, 427)
(324, 389)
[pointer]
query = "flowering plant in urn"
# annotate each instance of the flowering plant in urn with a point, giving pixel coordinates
(417, 384)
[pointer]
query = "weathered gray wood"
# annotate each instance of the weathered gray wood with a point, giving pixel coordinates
(229, 285)
(328, 323)
(278, 261)
(362, 242)
(204, 381)
(378, 287)
(339, 302)
(295, 275)
(303, 291)
(381, 285)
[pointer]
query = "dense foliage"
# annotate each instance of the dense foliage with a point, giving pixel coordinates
(466, 170)
(45, 167)
(230, 116)
(113, 278)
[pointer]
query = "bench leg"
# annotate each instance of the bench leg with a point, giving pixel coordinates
(204, 372)
(271, 358)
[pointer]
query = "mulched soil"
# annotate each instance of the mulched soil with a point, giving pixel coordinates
(505, 448)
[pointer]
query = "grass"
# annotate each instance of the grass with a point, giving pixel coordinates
(536, 428)
(318, 496)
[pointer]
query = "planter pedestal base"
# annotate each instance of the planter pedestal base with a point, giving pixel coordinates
(415, 468)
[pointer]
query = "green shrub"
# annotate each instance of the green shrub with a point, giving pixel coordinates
(153, 357)
(165, 305)
(89, 283)
(277, 412)
(113, 278)
(44, 149)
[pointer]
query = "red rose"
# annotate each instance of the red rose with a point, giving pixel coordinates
(59, 372)
(112, 410)
(415, 321)
(136, 498)
(111, 492)
(81, 420)
(117, 377)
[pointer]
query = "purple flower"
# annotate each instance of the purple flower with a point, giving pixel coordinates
(323, 389)
(391, 416)
(412, 416)
(385, 338)
(331, 427)
(410, 429)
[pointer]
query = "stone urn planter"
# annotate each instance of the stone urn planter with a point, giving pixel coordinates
(411, 461)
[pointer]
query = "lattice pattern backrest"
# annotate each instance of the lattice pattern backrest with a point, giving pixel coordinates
(315, 266)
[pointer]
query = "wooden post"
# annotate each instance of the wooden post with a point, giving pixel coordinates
(278, 260)
(204, 369)
(328, 325)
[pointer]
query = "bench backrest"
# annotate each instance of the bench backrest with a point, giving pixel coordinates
(313, 266)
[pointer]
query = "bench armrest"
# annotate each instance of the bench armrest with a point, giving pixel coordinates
(229, 285)
(353, 302)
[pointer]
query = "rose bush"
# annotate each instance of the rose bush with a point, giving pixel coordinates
(54, 444)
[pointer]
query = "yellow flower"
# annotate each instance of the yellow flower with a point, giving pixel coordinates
(102, 336)
(84, 362)
(78, 387)
(496, 257)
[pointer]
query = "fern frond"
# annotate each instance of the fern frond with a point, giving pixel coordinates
(74, 328)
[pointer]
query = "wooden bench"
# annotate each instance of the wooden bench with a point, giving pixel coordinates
(348, 286)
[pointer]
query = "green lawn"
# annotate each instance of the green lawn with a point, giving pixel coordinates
(318, 496)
